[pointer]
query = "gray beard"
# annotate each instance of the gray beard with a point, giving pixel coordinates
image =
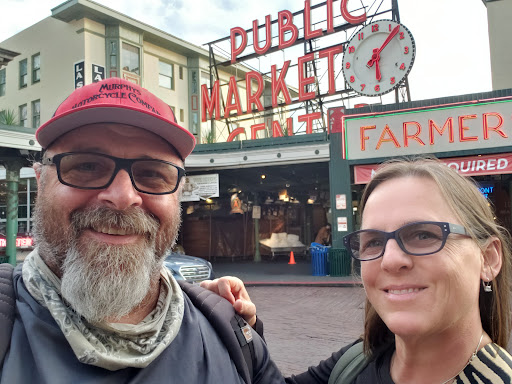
(104, 281)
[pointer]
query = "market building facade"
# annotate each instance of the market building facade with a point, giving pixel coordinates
(80, 43)
(271, 158)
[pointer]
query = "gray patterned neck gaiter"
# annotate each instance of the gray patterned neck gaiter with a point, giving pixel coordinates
(112, 346)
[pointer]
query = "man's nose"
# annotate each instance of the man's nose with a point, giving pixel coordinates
(121, 193)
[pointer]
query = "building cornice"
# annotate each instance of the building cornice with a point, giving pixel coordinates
(78, 9)
(18, 138)
(6, 56)
(247, 158)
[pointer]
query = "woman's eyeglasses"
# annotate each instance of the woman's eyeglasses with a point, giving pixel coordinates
(418, 239)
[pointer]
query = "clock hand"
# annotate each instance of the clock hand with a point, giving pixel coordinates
(390, 37)
(377, 51)
(377, 68)
(374, 59)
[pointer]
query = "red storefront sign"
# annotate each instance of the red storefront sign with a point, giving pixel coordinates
(497, 164)
(21, 242)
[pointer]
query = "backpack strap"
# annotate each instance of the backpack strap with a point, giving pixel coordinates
(234, 332)
(7, 308)
(350, 364)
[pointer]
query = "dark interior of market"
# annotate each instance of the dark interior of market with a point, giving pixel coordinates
(293, 198)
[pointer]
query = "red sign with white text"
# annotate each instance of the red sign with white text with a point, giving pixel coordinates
(21, 242)
(498, 164)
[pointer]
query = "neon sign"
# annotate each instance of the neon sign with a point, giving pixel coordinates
(486, 190)
(286, 25)
(21, 242)
(288, 34)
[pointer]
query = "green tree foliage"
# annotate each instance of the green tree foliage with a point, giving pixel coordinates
(8, 117)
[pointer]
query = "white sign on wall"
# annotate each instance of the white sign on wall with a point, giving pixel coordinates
(342, 224)
(341, 201)
(79, 73)
(200, 187)
(98, 73)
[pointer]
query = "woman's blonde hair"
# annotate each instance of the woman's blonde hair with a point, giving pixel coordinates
(475, 214)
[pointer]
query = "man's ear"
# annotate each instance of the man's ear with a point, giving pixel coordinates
(38, 168)
(492, 255)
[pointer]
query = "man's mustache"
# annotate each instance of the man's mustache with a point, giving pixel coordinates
(132, 220)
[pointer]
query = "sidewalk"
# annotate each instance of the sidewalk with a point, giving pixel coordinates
(280, 273)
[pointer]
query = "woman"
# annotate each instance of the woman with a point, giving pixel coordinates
(435, 267)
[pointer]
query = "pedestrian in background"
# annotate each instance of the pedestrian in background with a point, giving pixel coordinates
(324, 235)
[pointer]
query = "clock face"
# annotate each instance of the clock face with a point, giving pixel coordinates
(378, 58)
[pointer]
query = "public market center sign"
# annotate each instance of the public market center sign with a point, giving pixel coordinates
(288, 34)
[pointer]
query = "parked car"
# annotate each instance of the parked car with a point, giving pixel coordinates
(190, 268)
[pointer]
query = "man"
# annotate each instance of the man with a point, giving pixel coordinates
(324, 235)
(94, 302)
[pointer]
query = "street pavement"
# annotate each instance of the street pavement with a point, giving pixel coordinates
(279, 272)
(306, 317)
(305, 324)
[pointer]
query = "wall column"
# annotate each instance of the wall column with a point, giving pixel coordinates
(12, 168)
(340, 185)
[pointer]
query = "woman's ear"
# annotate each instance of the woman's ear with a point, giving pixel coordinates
(492, 255)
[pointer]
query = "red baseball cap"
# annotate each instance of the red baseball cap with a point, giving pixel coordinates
(120, 101)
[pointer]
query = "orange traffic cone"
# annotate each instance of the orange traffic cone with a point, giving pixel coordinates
(292, 259)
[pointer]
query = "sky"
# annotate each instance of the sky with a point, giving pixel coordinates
(452, 54)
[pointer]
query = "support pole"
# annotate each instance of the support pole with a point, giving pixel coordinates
(12, 168)
(257, 255)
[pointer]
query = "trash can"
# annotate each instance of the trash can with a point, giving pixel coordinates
(319, 259)
(339, 262)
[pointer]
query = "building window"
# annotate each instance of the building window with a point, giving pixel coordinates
(166, 76)
(173, 109)
(182, 115)
(181, 72)
(23, 115)
(36, 68)
(2, 82)
(131, 58)
(195, 123)
(36, 113)
(113, 54)
(23, 73)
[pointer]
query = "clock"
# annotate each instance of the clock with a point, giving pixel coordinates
(378, 58)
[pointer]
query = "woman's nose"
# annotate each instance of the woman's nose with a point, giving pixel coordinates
(395, 258)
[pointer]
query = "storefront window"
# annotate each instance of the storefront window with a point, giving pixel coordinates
(22, 200)
(27, 192)
(3, 203)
